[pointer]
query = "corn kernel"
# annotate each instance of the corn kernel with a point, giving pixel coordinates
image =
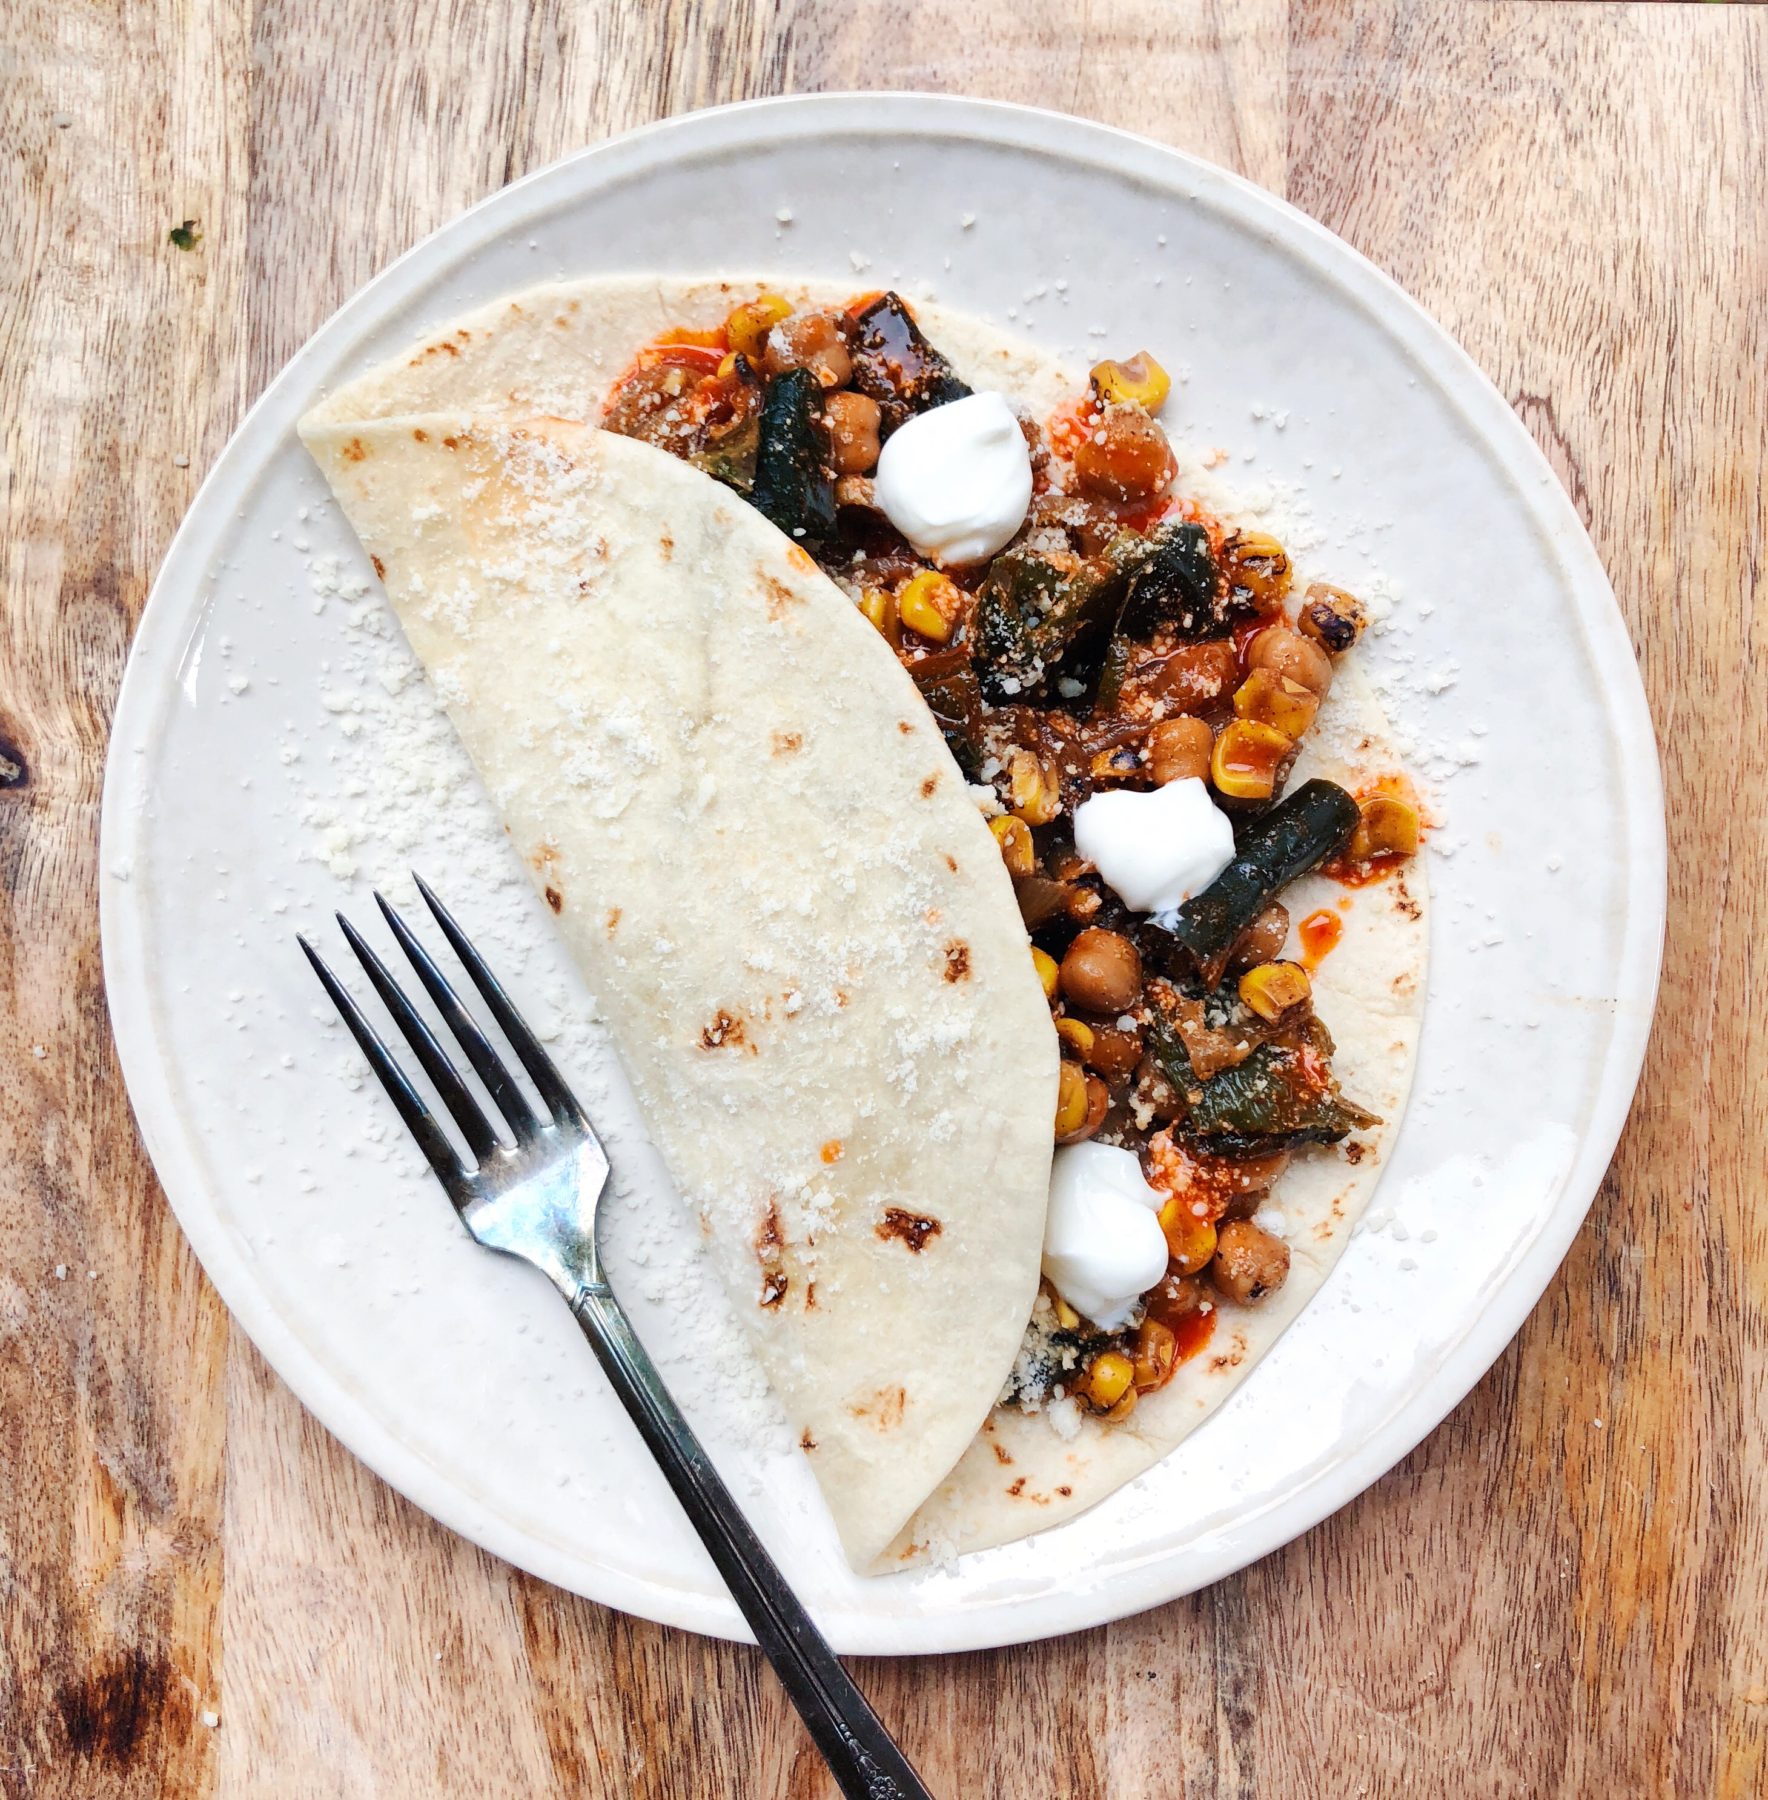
(1036, 794)
(1123, 1408)
(1109, 1377)
(1260, 565)
(728, 367)
(1274, 987)
(1048, 970)
(1190, 1241)
(1078, 1033)
(747, 326)
(1066, 1316)
(1139, 378)
(1014, 837)
(1244, 763)
(1333, 618)
(1268, 698)
(1385, 827)
(880, 608)
(928, 603)
(1071, 1100)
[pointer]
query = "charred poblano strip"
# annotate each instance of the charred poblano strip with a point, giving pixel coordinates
(896, 366)
(1281, 1097)
(730, 449)
(948, 685)
(1309, 826)
(791, 486)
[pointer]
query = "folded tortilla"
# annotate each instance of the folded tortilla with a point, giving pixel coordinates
(765, 860)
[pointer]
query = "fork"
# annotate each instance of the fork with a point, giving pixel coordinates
(537, 1200)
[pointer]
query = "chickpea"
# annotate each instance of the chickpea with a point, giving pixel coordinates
(1194, 678)
(1249, 1262)
(1102, 971)
(1286, 652)
(853, 432)
(810, 340)
(1263, 940)
(1125, 456)
(1178, 749)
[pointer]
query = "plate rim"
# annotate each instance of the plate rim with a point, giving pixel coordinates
(165, 623)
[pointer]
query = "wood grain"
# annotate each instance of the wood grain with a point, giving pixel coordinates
(1563, 1592)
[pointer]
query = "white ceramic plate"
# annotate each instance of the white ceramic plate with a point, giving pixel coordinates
(263, 771)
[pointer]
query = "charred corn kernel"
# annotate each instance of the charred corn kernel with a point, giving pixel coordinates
(1071, 1100)
(747, 326)
(1274, 987)
(1123, 1408)
(728, 367)
(1268, 698)
(1048, 970)
(1157, 1355)
(1247, 755)
(1109, 1377)
(1139, 378)
(1386, 826)
(1036, 795)
(1014, 837)
(1066, 1316)
(1260, 565)
(927, 605)
(1190, 1241)
(1078, 1034)
(1331, 617)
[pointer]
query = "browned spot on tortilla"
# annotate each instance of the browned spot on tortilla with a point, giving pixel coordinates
(785, 742)
(833, 1151)
(769, 1245)
(1354, 1153)
(799, 559)
(418, 432)
(1017, 1488)
(885, 1409)
(779, 597)
(451, 443)
(1232, 1358)
(910, 1228)
(666, 547)
(957, 960)
(806, 1442)
(932, 915)
(613, 920)
(810, 1296)
(380, 568)
(465, 336)
(554, 898)
(1001, 1456)
(951, 862)
(724, 1030)
(841, 996)
(905, 727)
(929, 787)
(562, 322)
(1066, 1491)
(354, 451)
(450, 348)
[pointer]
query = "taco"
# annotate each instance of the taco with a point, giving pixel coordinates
(909, 765)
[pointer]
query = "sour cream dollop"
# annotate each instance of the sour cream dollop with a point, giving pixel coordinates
(1155, 850)
(1103, 1246)
(956, 481)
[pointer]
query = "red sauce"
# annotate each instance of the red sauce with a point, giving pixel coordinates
(681, 337)
(1319, 933)
(1068, 425)
(1360, 874)
(1194, 1331)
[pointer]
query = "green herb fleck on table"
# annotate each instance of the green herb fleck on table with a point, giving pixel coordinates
(185, 236)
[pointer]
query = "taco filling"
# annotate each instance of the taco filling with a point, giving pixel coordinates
(1127, 680)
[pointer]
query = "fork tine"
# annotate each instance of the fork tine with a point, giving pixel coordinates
(456, 1095)
(417, 1116)
(525, 1044)
(511, 1102)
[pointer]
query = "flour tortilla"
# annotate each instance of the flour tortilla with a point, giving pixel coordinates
(553, 352)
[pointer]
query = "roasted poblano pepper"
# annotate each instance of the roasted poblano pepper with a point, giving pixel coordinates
(792, 488)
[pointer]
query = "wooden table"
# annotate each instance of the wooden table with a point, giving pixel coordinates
(1564, 1591)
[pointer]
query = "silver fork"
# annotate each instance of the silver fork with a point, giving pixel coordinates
(537, 1201)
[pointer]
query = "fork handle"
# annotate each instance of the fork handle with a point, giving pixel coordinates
(865, 1759)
